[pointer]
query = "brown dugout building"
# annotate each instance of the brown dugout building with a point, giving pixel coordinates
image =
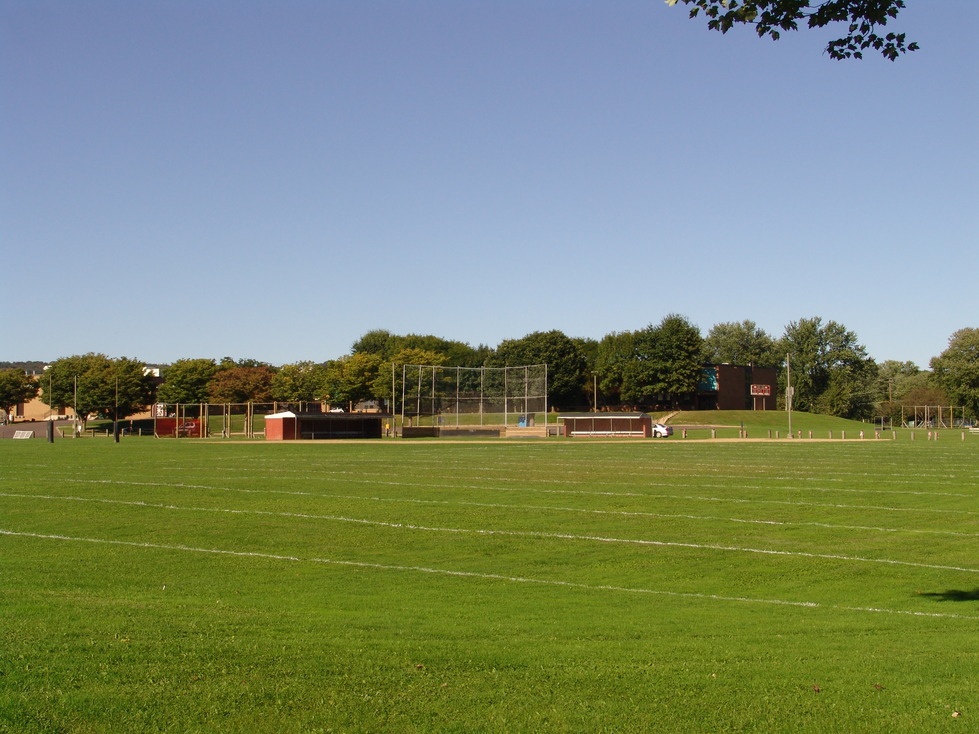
(617, 425)
(289, 426)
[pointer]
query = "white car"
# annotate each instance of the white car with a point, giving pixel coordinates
(662, 431)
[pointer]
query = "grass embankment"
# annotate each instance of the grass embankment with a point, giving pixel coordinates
(551, 586)
(758, 423)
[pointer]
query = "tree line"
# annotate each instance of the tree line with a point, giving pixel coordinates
(660, 365)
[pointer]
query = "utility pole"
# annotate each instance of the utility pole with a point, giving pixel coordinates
(788, 389)
(115, 414)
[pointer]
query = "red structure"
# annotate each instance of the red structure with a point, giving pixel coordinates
(178, 427)
(737, 387)
(289, 426)
(615, 425)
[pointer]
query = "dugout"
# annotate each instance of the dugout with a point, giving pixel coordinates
(609, 425)
(289, 426)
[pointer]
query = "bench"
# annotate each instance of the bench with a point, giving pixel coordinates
(23, 434)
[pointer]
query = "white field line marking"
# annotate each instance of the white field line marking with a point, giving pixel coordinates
(890, 471)
(485, 576)
(526, 534)
(546, 508)
(883, 471)
(357, 477)
(329, 475)
(581, 492)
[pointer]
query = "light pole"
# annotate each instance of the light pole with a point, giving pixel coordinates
(115, 413)
(788, 389)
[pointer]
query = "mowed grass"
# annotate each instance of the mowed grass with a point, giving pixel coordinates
(537, 586)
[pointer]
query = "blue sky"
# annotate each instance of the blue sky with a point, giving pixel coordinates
(201, 178)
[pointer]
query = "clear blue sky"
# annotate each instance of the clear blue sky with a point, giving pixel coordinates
(201, 178)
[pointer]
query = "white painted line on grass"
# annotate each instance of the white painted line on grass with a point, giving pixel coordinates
(546, 508)
(589, 493)
(484, 576)
(329, 474)
(540, 535)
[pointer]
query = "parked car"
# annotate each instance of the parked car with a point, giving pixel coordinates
(661, 430)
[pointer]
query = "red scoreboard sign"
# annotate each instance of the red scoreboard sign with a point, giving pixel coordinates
(763, 390)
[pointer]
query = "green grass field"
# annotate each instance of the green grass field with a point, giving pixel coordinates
(522, 586)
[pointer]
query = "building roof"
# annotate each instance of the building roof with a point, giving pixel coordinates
(603, 415)
(325, 416)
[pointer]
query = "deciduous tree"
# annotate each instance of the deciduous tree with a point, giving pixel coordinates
(567, 369)
(94, 384)
(657, 364)
(743, 343)
(186, 381)
(861, 18)
(300, 382)
(385, 381)
(16, 386)
(356, 377)
(387, 345)
(612, 359)
(956, 370)
(678, 353)
(241, 385)
(831, 371)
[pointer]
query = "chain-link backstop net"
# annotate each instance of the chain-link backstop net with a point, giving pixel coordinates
(435, 395)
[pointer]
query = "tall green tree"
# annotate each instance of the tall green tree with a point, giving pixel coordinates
(384, 381)
(16, 386)
(956, 370)
(861, 18)
(679, 346)
(743, 343)
(567, 368)
(300, 382)
(378, 341)
(386, 345)
(186, 381)
(659, 364)
(895, 379)
(355, 378)
(241, 385)
(227, 363)
(831, 371)
(94, 384)
(613, 356)
(641, 376)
